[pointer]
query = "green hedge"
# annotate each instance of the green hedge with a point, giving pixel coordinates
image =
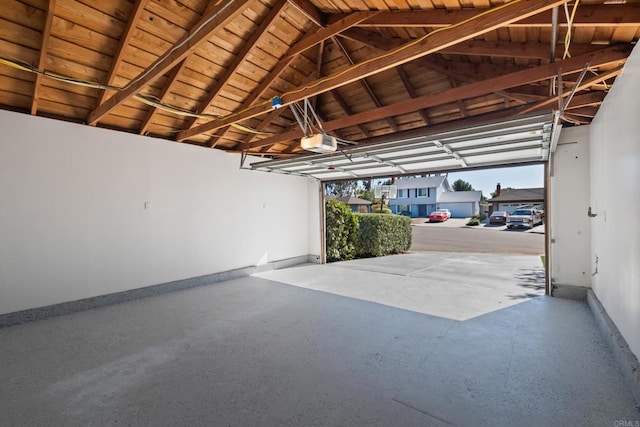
(342, 231)
(380, 235)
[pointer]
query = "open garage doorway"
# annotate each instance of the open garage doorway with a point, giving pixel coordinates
(504, 260)
(521, 141)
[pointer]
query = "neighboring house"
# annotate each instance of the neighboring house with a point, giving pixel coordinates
(509, 199)
(462, 204)
(418, 197)
(355, 203)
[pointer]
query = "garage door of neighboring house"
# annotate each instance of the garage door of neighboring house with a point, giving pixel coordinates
(509, 207)
(458, 210)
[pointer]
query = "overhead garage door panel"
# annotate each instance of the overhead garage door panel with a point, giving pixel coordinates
(512, 141)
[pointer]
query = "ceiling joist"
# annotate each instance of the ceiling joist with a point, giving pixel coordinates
(205, 72)
(586, 15)
(46, 33)
(613, 55)
(224, 12)
(436, 41)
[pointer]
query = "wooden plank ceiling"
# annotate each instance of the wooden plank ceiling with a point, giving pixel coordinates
(205, 72)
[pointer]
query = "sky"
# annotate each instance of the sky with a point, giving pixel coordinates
(485, 180)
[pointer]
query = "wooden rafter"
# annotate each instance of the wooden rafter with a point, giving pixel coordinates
(309, 10)
(459, 102)
(617, 55)
(314, 15)
(584, 111)
(347, 110)
(586, 84)
(138, 8)
(511, 50)
(528, 50)
(587, 15)
(173, 78)
(240, 57)
(363, 83)
(216, 17)
(406, 82)
(499, 16)
(44, 47)
(284, 62)
(586, 99)
(271, 116)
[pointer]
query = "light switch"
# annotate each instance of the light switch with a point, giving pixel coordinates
(147, 205)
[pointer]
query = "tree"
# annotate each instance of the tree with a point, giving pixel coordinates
(342, 188)
(462, 185)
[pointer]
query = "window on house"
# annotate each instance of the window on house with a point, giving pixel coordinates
(422, 192)
(402, 193)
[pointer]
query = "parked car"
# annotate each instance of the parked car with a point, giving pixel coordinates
(527, 218)
(499, 217)
(439, 216)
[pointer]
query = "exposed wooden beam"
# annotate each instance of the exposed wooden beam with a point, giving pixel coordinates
(586, 84)
(370, 38)
(309, 10)
(218, 16)
(568, 117)
(347, 111)
(512, 50)
(173, 77)
(273, 114)
(406, 82)
(240, 57)
(586, 16)
(503, 49)
(327, 32)
(363, 83)
(44, 47)
(436, 41)
(138, 8)
(616, 55)
(459, 102)
(583, 111)
(586, 99)
(301, 46)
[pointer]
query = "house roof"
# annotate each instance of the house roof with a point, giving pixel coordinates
(351, 200)
(422, 182)
(459, 196)
(520, 195)
(206, 73)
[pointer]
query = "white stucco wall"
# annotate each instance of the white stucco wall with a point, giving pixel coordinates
(615, 198)
(73, 222)
(570, 225)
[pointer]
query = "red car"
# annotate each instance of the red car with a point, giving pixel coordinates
(439, 215)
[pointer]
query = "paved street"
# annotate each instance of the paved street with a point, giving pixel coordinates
(453, 236)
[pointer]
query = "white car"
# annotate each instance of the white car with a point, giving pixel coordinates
(527, 218)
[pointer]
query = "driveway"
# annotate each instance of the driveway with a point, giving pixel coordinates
(462, 223)
(454, 236)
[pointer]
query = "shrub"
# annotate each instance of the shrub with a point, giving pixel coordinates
(381, 235)
(384, 211)
(473, 222)
(342, 231)
(375, 208)
(480, 217)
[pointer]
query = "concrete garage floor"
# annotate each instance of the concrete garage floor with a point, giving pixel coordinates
(419, 339)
